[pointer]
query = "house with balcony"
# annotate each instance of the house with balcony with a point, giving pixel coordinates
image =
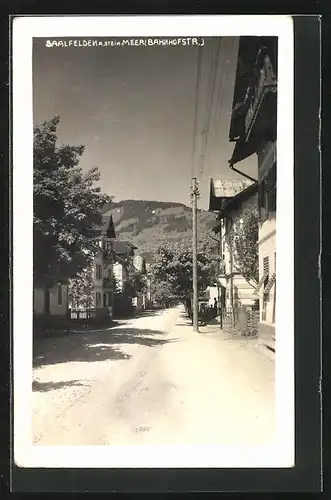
(253, 130)
(113, 266)
(141, 299)
(230, 200)
(60, 304)
(124, 254)
(103, 266)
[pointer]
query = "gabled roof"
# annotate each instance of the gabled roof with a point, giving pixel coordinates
(106, 228)
(233, 202)
(223, 190)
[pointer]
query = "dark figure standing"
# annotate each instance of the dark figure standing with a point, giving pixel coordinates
(215, 307)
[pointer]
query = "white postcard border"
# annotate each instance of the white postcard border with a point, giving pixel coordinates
(281, 453)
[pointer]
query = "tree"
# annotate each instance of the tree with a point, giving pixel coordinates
(162, 293)
(174, 266)
(135, 283)
(81, 289)
(243, 237)
(67, 206)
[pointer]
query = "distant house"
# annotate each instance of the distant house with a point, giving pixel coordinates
(124, 253)
(149, 286)
(139, 264)
(103, 265)
(230, 199)
(254, 131)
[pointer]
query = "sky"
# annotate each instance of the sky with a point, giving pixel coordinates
(140, 114)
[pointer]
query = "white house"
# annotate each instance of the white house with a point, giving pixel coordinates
(254, 131)
(230, 199)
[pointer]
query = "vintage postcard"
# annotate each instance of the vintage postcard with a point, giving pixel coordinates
(153, 190)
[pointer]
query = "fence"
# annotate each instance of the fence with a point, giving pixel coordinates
(244, 319)
(76, 314)
(229, 316)
(88, 315)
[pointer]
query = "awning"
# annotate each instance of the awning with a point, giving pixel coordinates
(260, 283)
(270, 284)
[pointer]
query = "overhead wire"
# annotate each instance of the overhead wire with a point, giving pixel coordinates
(209, 103)
(196, 107)
(217, 109)
(220, 102)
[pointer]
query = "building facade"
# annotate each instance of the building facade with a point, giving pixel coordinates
(103, 267)
(254, 131)
(58, 301)
(231, 199)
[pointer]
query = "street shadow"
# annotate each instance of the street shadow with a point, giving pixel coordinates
(147, 313)
(51, 386)
(139, 336)
(94, 346)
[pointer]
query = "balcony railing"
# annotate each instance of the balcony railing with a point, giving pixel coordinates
(266, 82)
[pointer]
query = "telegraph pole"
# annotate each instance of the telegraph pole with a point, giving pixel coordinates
(194, 194)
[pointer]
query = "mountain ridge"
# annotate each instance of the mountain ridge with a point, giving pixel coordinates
(147, 223)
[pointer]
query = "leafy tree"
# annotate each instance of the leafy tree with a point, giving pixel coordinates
(135, 283)
(67, 206)
(162, 293)
(113, 285)
(174, 266)
(243, 237)
(81, 289)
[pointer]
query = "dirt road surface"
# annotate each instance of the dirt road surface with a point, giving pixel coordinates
(152, 380)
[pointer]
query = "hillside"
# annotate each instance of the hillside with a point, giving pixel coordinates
(148, 223)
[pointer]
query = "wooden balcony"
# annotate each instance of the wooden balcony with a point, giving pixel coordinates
(265, 83)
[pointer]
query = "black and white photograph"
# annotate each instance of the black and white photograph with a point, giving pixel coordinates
(153, 193)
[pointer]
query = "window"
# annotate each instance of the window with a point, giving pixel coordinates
(98, 272)
(98, 299)
(59, 295)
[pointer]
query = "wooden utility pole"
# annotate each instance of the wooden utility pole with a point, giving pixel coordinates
(195, 193)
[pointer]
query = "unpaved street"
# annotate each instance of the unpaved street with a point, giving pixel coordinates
(152, 380)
